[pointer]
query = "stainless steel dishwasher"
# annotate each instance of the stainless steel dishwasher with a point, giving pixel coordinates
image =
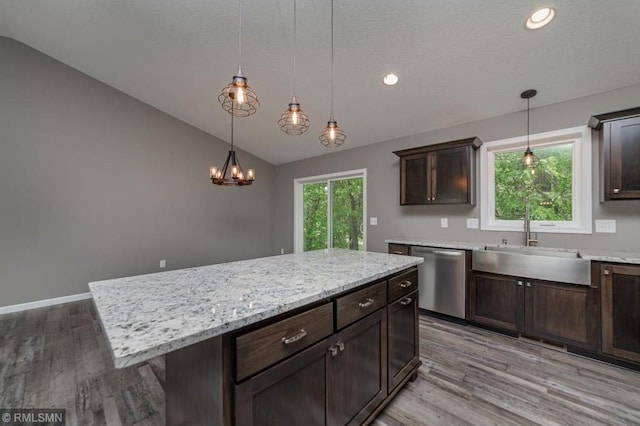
(442, 280)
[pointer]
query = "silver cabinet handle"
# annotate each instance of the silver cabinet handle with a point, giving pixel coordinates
(398, 252)
(405, 284)
(406, 301)
(606, 272)
(528, 284)
(299, 335)
(333, 350)
(520, 283)
(366, 303)
(448, 253)
(616, 190)
(340, 346)
(428, 198)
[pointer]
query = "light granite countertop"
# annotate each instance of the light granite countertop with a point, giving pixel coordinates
(150, 315)
(616, 256)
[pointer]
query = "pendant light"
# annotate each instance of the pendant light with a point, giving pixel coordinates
(332, 136)
(238, 98)
(232, 165)
(528, 159)
(294, 121)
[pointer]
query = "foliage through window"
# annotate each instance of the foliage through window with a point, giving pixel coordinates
(558, 187)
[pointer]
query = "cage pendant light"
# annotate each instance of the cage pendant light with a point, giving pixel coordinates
(294, 121)
(528, 159)
(236, 176)
(238, 98)
(332, 136)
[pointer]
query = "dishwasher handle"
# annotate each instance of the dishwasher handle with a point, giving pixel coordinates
(425, 250)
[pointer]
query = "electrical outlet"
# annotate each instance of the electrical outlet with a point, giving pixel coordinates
(444, 222)
(281, 251)
(373, 221)
(163, 263)
(606, 226)
(472, 223)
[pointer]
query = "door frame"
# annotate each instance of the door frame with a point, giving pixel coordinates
(298, 205)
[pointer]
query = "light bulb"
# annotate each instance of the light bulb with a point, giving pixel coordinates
(332, 134)
(234, 171)
(240, 95)
(251, 175)
(294, 117)
(214, 171)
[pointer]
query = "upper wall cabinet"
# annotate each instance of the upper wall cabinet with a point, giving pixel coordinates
(620, 153)
(443, 173)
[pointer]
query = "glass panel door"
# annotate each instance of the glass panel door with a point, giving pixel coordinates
(315, 208)
(346, 213)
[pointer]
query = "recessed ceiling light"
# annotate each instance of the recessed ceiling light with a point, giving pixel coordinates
(540, 18)
(390, 79)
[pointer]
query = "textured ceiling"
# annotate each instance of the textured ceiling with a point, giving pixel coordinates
(458, 60)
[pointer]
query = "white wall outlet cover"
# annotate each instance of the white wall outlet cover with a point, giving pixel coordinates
(606, 226)
(163, 263)
(444, 222)
(281, 251)
(373, 221)
(472, 223)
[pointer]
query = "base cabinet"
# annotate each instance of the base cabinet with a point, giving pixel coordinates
(558, 312)
(620, 286)
(404, 342)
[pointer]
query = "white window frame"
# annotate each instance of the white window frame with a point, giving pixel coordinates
(581, 182)
(298, 204)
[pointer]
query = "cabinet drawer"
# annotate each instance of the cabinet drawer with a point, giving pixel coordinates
(267, 345)
(398, 249)
(360, 303)
(403, 284)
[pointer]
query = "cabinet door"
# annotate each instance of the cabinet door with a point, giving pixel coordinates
(621, 311)
(290, 393)
(564, 313)
(496, 300)
(413, 179)
(357, 374)
(624, 161)
(449, 175)
(403, 338)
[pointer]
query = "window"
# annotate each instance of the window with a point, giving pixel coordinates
(330, 211)
(558, 188)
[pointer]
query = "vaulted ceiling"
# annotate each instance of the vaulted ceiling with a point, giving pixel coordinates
(458, 60)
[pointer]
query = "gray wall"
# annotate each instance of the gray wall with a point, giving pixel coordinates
(424, 221)
(95, 184)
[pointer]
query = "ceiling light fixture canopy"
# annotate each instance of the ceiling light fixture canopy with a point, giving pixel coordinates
(238, 98)
(332, 136)
(390, 79)
(528, 159)
(540, 17)
(294, 121)
(236, 176)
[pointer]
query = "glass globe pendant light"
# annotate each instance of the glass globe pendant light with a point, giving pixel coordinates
(294, 121)
(238, 98)
(528, 159)
(332, 136)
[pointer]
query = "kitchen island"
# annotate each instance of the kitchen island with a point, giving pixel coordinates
(238, 337)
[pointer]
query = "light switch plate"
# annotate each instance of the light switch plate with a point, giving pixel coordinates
(444, 222)
(373, 221)
(472, 223)
(606, 226)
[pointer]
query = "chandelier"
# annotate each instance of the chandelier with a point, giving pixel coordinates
(231, 173)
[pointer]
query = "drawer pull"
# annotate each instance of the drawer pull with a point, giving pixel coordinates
(333, 349)
(300, 335)
(406, 301)
(398, 252)
(340, 346)
(616, 190)
(405, 283)
(368, 302)
(606, 272)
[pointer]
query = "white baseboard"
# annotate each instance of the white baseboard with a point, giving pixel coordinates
(42, 303)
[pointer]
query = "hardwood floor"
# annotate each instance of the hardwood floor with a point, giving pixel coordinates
(58, 357)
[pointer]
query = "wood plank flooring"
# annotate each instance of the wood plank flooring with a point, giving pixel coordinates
(58, 357)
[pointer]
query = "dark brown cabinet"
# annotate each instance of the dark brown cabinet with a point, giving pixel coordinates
(620, 153)
(439, 174)
(620, 286)
(403, 339)
(558, 312)
(402, 249)
(338, 381)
